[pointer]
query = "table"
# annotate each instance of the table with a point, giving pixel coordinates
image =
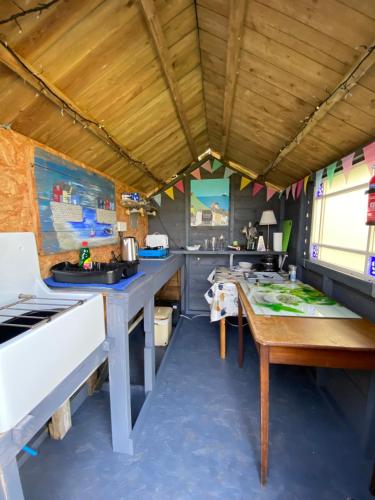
(318, 342)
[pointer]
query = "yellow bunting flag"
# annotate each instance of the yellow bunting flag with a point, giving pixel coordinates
(244, 182)
(170, 192)
(305, 181)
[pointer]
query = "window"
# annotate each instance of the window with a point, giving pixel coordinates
(340, 238)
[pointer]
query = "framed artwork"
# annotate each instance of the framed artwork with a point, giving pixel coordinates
(209, 204)
(75, 204)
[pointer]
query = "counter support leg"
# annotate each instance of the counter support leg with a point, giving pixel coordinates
(119, 376)
(10, 482)
(241, 345)
(149, 352)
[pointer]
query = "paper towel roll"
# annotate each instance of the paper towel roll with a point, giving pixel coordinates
(277, 242)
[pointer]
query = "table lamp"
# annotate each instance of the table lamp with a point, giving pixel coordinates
(268, 218)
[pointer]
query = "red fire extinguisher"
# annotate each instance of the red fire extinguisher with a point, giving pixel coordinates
(371, 202)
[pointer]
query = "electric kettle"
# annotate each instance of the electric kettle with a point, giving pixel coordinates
(129, 249)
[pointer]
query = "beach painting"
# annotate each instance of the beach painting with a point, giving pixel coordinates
(75, 205)
(209, 204)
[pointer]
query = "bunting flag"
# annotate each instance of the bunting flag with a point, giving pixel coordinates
(244, 182)
(207, 166)
(157, 199)
(347, 165)
(270, 192)
(216, 164)
(196, 173)
(331, 172)
(294, 187)
(287, 191)
(170, 192)
(305, 181)
(228, 172)
(257, 187)
(369, 154)
(281, 194)
(180, 186)
(318, 178)
(299, 188)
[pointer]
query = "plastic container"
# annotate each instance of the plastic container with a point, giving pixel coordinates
(162, 325)
(85, 261)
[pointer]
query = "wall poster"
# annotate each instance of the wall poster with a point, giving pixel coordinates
(209, 204)
(75, 205)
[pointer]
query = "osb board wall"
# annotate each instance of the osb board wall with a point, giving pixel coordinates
(18, 204)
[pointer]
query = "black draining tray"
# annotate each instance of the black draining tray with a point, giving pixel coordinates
(101, 273)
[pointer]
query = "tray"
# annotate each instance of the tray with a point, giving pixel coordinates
(101, 273)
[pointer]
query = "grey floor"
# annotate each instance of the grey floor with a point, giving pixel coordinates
(200, 438)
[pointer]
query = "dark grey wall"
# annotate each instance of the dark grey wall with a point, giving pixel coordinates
(174, 215)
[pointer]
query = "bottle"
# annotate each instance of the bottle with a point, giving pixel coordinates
(292, 273)
(85, 261)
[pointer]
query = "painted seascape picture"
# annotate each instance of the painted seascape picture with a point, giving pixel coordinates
(74, 205)
(209, 204)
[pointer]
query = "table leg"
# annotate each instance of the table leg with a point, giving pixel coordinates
(372, 485)
(222, 338)
(241, 345)
(10, 483)
(264, 411)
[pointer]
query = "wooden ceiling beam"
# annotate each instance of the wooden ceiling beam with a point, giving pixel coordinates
(352, 77)
(237, 14)
(160, 43)
(24, 70)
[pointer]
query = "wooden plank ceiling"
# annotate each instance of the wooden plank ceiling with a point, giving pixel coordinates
(140, 89)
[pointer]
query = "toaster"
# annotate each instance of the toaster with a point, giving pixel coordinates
(157, 240)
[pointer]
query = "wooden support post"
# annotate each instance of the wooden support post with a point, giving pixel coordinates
(92, 383)
(223, 342)
(61, 421)
(264, 411)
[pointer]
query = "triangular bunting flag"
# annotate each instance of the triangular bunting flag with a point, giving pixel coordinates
(294, 187)
(180, 186)
(281, 194)
(299, 188)
(196, 173)
(207, 166)
(257, 187)
(318, 178)
(305, 181)
(369, 154)
(331, 172)
(270, 192)
(216, 164)
(347, 165)
(157, 199)
(170, 192)
(244, 182)
(287, 191)
(228, 172)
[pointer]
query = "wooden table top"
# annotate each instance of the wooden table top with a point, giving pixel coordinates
(323, 333)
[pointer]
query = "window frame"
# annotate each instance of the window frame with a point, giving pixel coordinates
(370, 245)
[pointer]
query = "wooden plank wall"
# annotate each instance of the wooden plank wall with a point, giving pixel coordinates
(18, 205)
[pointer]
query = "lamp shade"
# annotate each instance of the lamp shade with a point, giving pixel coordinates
(268, 218)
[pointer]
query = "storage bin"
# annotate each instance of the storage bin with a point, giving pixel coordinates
(163, 325)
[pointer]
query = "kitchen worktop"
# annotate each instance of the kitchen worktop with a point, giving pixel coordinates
(223, 252)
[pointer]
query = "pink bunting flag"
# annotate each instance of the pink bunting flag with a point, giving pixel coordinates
(270, 192)
(299, 188)
(196, 173)
(207, 166)
(294, 187)
(287, 191)
(180, 186)
(369, 154)
(347, 165)
(257, 187)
